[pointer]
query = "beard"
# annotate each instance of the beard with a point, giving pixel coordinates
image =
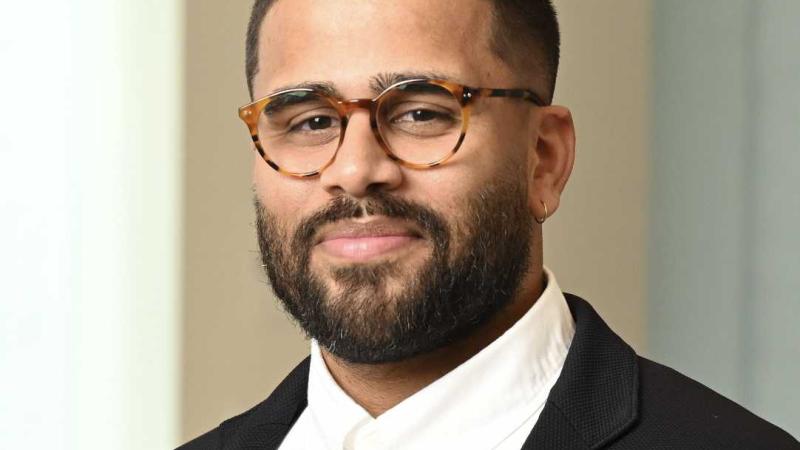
(387, 312)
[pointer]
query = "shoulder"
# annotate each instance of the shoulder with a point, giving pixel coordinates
(264, 425)
(212, 440)
(675, 409)
(612, 398)
(208, 441)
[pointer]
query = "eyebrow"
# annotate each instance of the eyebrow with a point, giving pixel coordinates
(382, 81)
(324, 87)
(377, 83)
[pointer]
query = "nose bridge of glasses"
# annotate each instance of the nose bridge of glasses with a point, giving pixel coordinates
(347, 107)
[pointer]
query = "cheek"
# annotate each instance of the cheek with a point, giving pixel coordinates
(284, 197)
(447, 191)
(505, 153)
(487, 166)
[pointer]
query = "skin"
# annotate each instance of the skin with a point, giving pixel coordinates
(346, 43)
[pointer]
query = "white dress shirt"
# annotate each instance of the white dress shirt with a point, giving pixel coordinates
(491, 401)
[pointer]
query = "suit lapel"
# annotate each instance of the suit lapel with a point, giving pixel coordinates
(270, 421)
(596, 396)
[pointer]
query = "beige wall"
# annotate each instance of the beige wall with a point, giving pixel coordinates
(237, 344)
(596, 244)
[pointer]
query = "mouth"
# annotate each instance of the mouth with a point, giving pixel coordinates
(359, 241)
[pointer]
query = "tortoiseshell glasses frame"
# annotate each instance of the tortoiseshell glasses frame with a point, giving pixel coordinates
(465, 97)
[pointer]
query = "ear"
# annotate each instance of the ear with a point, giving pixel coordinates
(550, 159)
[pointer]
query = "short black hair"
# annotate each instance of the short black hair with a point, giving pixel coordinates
(526, 36)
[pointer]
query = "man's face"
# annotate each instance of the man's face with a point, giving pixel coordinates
(376, 261)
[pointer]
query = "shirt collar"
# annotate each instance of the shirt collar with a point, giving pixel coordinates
(476, 405)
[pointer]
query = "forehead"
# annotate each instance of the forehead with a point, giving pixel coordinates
(349, 41)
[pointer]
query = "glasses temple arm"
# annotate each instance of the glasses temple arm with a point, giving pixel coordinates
(524, 94)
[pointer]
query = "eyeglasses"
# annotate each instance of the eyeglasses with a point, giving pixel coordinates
(420, 123)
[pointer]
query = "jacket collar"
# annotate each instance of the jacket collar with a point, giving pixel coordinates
(594, 400)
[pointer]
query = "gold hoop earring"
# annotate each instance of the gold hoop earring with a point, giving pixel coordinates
(543, 219)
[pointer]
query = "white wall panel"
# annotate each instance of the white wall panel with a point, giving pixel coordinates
(90, 148)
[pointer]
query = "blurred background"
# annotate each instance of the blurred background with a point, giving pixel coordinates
(133, 312)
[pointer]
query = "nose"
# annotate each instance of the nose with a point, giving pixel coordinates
(361, 166)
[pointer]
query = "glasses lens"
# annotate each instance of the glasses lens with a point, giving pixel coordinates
(420, 122)
(299, 130)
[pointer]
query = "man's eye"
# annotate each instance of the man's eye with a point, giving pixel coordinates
(315, 123)
(419, 115)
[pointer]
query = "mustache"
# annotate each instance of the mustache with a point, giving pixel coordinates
(379, 204)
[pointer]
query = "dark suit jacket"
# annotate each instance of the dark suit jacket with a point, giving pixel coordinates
(606, 397)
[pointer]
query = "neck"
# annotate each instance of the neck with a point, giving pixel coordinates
(379, 387)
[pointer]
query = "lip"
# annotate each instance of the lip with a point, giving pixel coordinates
(359, 241)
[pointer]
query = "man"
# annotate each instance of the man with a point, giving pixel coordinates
(407, 154)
